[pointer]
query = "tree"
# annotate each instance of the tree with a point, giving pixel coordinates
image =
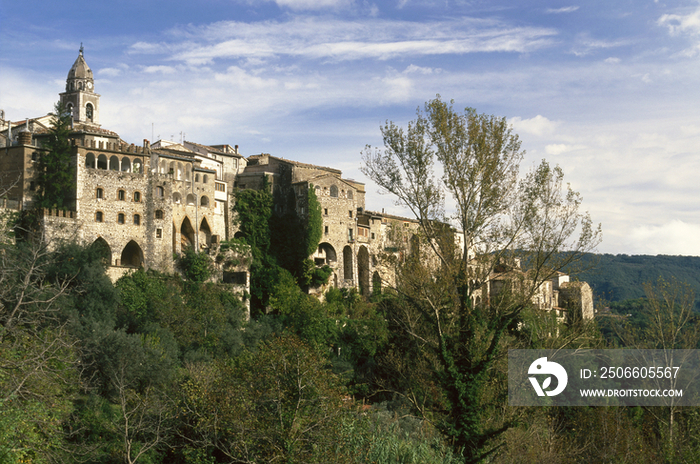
(38, 359)
(503, 218)
(55, 181)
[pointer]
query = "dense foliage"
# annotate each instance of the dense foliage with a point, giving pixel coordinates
(55, 181)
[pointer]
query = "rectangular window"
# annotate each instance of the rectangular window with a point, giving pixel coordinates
(137, 220)
(98, 216)
(325, 230)
(350, 213)
(120, 218)
(325, 211)
(99, 193)
(350, 237)
(121, 195)
(159, 233)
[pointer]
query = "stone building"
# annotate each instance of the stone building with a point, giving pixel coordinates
(142, 204)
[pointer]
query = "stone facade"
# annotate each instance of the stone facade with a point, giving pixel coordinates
(146, 203)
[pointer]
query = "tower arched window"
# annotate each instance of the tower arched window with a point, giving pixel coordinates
(89, 111)
(334, 191)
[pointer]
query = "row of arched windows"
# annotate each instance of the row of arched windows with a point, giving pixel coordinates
(190, 199)
(121, 195)
(121, 218)
(113, 163)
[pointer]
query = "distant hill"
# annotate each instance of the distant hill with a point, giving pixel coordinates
(621, 277)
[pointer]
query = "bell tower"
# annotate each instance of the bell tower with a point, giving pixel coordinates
(80, 97)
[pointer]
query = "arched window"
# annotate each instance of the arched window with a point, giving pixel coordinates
(137, 197)
(188, 173)
(99, 193)
(121, 195)
(102, 162)
(114, 163)
(205, 178)
(179, 171)
(204, 201)
(120, 218)
(88, 108)
(177, 198)
(89, 160)
(190, 200)
(334, 191)
(160, 192)
(137, 166)
(196, 177)
(137, 220)
(126, 164)
(350, 195)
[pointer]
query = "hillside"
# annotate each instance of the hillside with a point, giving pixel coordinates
(621, 277)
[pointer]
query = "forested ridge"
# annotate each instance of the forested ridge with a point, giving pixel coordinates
(615, 278)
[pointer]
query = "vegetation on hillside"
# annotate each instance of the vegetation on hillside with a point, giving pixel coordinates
(158, 368)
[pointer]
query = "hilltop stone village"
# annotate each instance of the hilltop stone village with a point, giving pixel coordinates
(144, 203)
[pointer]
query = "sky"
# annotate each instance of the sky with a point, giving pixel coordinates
(608, 90)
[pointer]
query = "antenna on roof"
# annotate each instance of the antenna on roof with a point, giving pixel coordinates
(81, 48)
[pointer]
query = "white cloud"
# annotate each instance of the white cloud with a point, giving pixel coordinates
(613, 60)
(672, 238)
(413, 69)
(566, 9)
(539, 125)
(559, 148)
(335, 39)
(159, 69)
(677, 24)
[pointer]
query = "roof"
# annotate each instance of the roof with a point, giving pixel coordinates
(214, 149)
(294, 163)
(80, 69)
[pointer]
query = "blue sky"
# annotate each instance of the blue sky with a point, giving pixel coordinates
(608, 90)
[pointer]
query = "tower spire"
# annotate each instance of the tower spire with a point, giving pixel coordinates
(81, 49)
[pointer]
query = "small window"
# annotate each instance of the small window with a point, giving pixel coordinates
(159, 214)
(350, 214)
(205, 178)
(334, 191)
(137, 220)
(35, 156)
(372, 235)
(121, 195)
(325, 211)
(159, 233)
(204, 201)
(120, 218)
(32, 186)
(160, 192)
(349, 194)
(196, 177)
(99, 194)
(350, 236)
(137, 197)
(325, 230)
(98, 216)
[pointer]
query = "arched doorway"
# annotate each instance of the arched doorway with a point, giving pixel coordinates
(325, 254)
(132, 255)
(186, 234)
(347, 263)
(363, 271)
(204, 233)
(101, 247)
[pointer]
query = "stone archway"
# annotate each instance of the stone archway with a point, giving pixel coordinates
(204, 233)
(347, 263)
(132, 255)
(186, 234)
(325, 255)
(363, 271)
(103, 249)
